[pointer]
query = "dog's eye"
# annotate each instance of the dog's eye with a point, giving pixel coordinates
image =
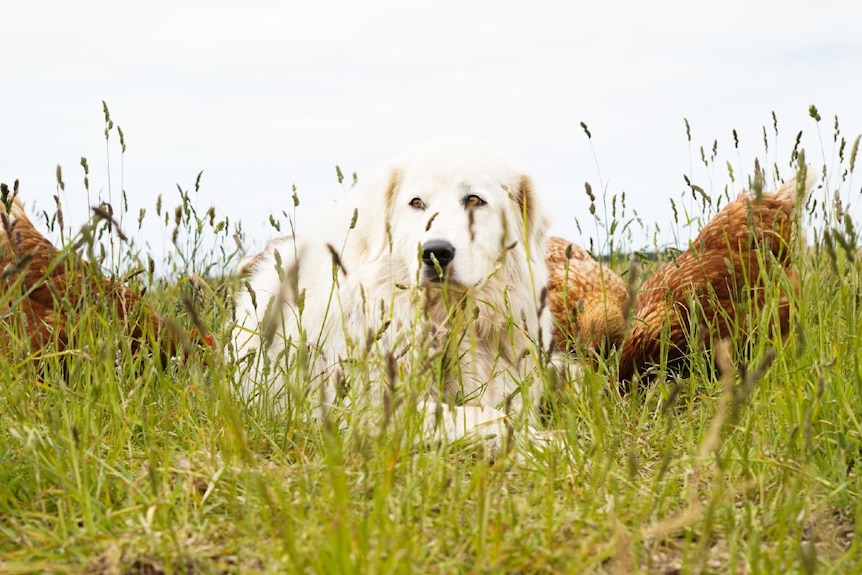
(473, 201)
(417, 203)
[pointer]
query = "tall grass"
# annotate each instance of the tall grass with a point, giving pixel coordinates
(113, 463)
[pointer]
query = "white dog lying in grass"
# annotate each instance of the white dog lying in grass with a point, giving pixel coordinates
(425, 285)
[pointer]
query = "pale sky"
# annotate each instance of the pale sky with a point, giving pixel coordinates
(264, 95)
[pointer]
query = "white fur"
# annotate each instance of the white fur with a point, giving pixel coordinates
(498, 273)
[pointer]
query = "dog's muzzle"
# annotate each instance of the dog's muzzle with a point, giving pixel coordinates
(441, 252)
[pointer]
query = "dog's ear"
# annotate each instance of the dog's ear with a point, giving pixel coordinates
(391, 193)
(375, 204)
(532, 217)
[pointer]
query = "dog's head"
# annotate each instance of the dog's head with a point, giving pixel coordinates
(460, 210)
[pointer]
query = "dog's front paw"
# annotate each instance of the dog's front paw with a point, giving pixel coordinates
(496, 430)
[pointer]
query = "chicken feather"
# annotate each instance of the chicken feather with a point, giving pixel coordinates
(587, 299)
(43, 286)
(725, 268)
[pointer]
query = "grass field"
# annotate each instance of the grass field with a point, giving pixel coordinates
(114, 463)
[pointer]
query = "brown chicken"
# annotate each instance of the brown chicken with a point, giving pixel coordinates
(43, 287)
(718, 282)
(588, 300)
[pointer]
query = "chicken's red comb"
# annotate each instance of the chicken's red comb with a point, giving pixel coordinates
(206, 338)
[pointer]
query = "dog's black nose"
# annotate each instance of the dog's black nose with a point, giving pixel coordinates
(441, 250)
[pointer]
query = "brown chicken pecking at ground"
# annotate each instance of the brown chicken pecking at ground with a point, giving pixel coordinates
(726, 273)
(588, 300)
(43, 287)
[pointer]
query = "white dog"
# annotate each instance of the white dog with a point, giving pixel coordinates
(444, 245)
